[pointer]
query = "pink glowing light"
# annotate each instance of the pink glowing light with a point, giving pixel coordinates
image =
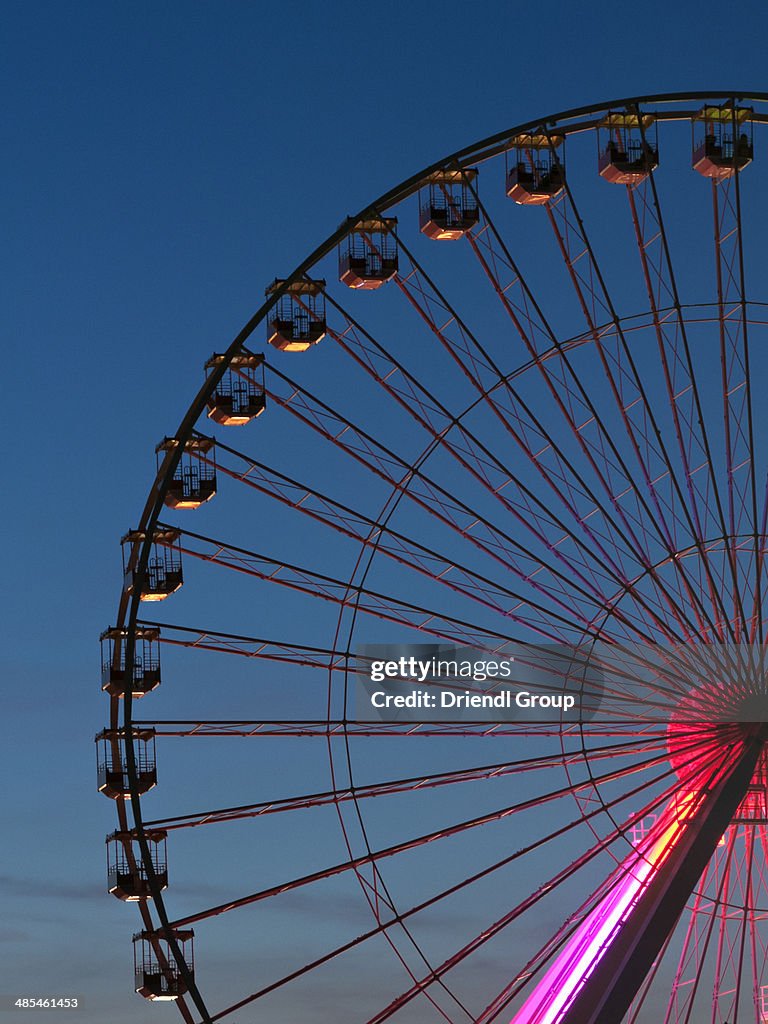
(592, 939)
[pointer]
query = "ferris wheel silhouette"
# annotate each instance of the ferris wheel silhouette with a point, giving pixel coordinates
(549, 432)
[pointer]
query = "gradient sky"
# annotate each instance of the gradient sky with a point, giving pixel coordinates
(162, 162)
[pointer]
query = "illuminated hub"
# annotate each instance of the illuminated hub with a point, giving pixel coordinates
(536, 175)
(628, 151)
(146, 661)
(158, 976)
(368, 254)
(727, 145)
(127, 876)
(239, 395)
(112, 764)
(448, 207)
(707, 718)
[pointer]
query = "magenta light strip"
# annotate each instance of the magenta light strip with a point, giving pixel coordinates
(591, 940)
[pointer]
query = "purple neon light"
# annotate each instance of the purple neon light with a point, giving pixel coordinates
(584, 950)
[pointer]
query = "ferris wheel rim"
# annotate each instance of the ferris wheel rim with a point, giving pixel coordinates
(383, 203)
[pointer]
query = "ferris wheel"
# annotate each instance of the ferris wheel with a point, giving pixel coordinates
(517, 404)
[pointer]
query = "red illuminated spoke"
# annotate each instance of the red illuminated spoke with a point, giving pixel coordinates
(530, 512)
(328, 729)
(579, 573)
(680, 380)
(320, 586)
(678, 671)
(601, 461)
(550, 886)
(426, 782)
(408, 552)
(628, 391)
(494, 388)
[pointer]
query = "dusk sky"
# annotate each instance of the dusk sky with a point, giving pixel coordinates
(163, 163)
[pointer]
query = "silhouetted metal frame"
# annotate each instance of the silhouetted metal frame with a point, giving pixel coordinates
(128, 611)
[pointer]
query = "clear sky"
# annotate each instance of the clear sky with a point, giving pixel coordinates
(161, 163)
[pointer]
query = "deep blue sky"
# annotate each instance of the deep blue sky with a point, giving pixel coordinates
(161, 163)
